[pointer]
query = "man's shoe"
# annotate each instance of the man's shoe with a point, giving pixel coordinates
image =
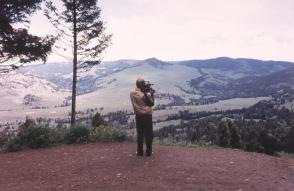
(139, 153)
(148, 154)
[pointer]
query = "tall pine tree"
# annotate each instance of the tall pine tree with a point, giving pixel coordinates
(81, 34)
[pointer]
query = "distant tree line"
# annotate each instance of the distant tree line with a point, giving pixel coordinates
(261, 128)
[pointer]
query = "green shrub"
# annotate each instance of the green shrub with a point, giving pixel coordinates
(119, 135)
(58, 135)
(33, 136)
(14, 145)
(106, 134)
(235, 140)
(284, 154)
(77, 134)
(228, 135)
(268, 142)
(290, 141)
(224, 134)
(251, 142)
(30, 135)
(97, 120)
(164, 141)
(199, 143)
(3, 139)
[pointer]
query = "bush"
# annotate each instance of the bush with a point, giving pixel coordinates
(97, 120)
(251, 142)
(268, 142)
(290, 141)
(30, 135)
(224, 134)
(33, 136)
(228, 135)
(165, 141)
(106, 134)
(14, 145)
(119, 135)
(235, 140)
(58, 135)
(284, 154)
(199, 143)
(77, 134)
(3, 139)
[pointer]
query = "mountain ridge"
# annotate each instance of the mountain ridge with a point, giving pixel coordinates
(184, 82)
(239, 67)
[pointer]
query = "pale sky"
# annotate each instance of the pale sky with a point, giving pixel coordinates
(195, 29)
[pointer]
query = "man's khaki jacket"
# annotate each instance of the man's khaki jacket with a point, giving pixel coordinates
(140, 106)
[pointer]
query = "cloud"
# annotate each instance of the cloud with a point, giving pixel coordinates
(215, 39)
(191, 29)
(188, 29)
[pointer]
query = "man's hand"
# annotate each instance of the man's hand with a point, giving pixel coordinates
(152, 91)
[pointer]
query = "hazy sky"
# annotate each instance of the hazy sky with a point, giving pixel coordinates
(196, 29)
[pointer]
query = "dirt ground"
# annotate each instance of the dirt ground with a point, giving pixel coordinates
(115, 166)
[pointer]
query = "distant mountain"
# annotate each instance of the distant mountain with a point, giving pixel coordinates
(263, 85)
(175, 82)
(156, 63)
(89, 81)
(212, 71)
(252, 86)
(243, 66)
(17, 89)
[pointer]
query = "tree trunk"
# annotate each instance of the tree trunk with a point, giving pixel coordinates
(75, 63)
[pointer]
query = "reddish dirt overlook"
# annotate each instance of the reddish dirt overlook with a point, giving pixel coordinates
(114, 166)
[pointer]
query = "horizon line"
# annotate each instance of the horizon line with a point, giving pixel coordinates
(182, 60)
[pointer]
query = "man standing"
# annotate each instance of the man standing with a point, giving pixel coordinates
(142, 98)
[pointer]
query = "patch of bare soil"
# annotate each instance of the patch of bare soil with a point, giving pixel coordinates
(116, 167)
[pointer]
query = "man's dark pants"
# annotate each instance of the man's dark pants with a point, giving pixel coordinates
(144, 130)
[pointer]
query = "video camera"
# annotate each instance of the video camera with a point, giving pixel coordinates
(147, 87)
